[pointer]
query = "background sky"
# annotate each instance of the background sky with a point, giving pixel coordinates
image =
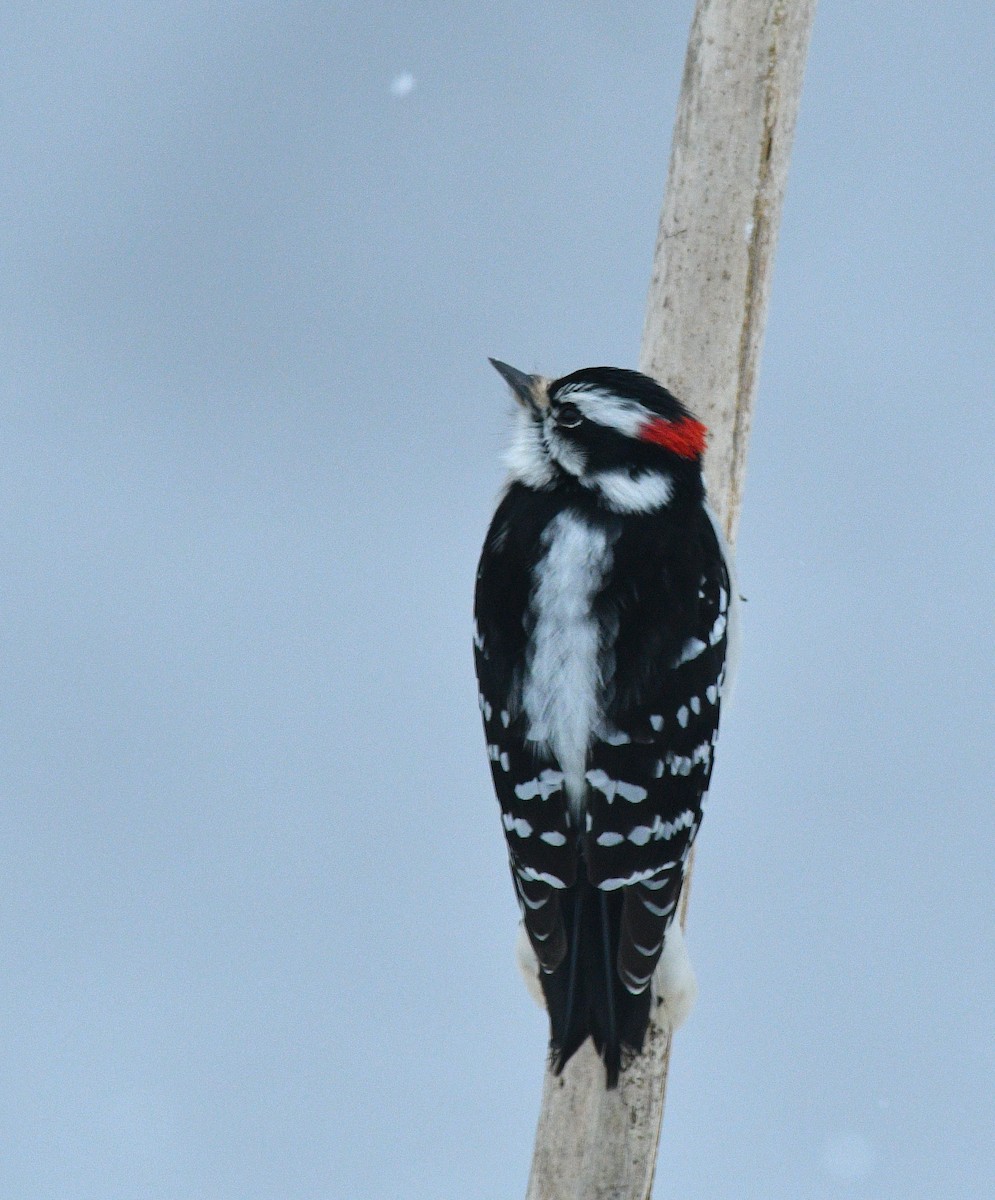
(257, 923)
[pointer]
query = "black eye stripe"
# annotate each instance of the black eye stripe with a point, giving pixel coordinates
(568, 416)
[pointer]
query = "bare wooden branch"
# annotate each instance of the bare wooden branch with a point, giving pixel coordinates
(718, 229)
(703, 335)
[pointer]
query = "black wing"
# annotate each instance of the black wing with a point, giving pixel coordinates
(529, 784)
(649, 773)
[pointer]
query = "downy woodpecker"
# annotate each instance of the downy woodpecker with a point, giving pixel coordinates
(604, 620)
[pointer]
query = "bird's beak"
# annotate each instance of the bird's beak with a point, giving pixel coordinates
(528, 390)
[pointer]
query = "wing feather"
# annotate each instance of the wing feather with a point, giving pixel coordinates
(649, 776)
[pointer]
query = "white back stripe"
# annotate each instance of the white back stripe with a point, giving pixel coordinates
(561, 698)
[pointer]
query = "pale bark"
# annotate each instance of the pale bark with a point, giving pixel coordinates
(704, 330)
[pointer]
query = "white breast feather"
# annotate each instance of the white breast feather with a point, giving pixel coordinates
(561, 696)
(527, 458)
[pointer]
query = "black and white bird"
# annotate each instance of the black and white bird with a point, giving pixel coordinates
(605, 617)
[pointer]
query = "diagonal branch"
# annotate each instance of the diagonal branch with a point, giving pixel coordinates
(704, 331)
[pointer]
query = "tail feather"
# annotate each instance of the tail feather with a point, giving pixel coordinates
(584, 995)
(612, 1049)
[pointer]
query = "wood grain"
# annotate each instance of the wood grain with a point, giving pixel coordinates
(703, 336)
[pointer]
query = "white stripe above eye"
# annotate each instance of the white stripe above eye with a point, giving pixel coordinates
(615, 412)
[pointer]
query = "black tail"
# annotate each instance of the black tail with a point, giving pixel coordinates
(584, 995)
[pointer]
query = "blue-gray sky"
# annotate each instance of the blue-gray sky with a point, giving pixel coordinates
(256, 918)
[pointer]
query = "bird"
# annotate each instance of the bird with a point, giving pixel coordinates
(604, 636)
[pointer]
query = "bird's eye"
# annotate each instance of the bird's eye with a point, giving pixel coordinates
(568, 416)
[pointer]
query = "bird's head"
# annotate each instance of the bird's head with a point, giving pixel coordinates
(617, 433)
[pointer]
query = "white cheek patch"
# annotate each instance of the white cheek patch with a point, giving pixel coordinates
(625, 492)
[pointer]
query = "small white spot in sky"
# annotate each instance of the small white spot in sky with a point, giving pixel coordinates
(849, 1157)
(403, 84)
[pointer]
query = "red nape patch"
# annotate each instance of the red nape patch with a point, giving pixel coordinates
(685, 438)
